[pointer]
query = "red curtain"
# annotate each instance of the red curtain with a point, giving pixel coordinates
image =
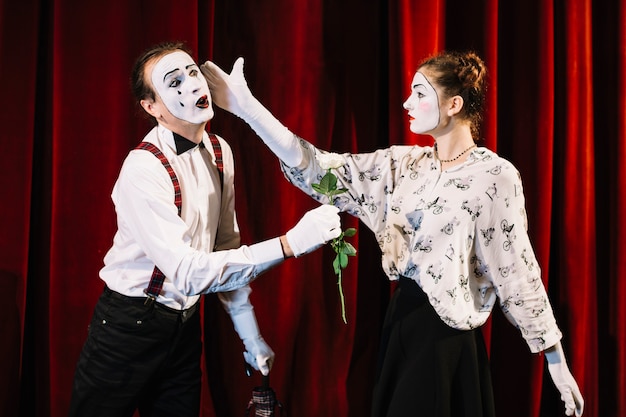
(336, 73)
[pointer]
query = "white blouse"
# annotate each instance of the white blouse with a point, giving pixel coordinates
(461, 234)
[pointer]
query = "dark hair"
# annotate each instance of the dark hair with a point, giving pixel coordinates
(140, 87)
(463, 74)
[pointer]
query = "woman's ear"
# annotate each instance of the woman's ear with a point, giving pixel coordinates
(455, 105)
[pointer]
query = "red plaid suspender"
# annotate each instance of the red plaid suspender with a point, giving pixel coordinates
(217, 149)
(157, 152)
(156, 281)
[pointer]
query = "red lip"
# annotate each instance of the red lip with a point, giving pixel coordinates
(203, 102)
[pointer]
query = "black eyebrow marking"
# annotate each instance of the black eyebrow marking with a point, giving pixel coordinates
(428, 82)
(167, 74)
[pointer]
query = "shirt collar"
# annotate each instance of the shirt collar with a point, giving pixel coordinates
(183, 144)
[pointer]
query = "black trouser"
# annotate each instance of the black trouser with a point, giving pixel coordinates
(138, 356)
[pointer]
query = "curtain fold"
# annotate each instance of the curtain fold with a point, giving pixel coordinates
(337, 74)
(616, 245)
(19, 61)
(416, 30)
(577, 297)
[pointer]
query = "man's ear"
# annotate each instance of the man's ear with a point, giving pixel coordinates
(455, 105)
(150, 107)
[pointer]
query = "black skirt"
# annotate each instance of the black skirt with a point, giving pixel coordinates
(427, 368)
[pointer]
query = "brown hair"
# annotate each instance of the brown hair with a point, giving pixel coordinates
(140, 87)
(463, 74)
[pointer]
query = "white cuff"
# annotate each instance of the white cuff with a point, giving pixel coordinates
(246, 325)
(267, 254)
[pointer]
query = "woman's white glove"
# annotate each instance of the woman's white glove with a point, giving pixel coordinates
(258, 354)
(315, 228)
(231, 93)
(564, 381)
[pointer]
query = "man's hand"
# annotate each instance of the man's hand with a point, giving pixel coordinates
(258, 354)
(317, 227)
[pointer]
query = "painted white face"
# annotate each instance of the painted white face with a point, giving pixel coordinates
(183, 89)
(422, 105)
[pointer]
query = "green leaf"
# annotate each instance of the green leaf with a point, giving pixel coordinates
(343, 259)
(343, 248)
(336, 192)
(328, 183)
(336, 266)
(332, 181)
(349, 232)
(348, 249)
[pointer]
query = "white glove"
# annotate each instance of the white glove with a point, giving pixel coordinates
(231, 93)
(258, 354)
(314, 229)
(564, 381)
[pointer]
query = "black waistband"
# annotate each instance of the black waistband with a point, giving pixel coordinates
(407, 298)
(410, 288)
(184, 314)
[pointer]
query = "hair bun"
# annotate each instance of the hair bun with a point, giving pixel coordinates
(471, 70)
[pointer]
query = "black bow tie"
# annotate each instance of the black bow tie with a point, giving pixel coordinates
(183, 144)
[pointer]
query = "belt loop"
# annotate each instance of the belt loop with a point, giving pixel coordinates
(150, 299)
(188, 313)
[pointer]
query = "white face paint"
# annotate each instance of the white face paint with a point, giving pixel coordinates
(422, 105)
(183, 89)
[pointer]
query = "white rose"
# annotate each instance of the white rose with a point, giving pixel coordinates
(330, 160)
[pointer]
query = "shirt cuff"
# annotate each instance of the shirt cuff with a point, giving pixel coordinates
(267, 254)
(549, 339)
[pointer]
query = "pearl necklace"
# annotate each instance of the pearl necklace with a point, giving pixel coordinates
(456, 157)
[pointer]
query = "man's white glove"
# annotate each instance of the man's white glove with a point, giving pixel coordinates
(564, 381)
(258, 354)
(231, 93)
(314, 229)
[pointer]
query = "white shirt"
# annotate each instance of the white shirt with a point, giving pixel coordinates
(461, 234)
(195, 254)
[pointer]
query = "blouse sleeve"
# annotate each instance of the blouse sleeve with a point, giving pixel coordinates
(368, 177)
(509, 261)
